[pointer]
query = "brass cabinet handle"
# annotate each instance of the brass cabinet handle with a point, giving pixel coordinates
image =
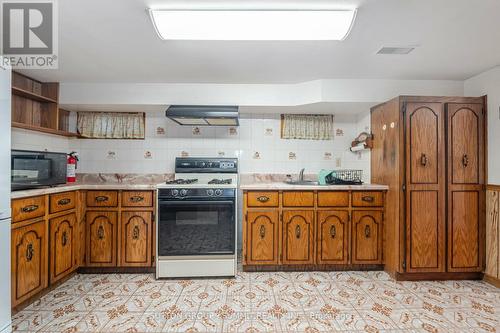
(136, 199)
(333, 231)
(29, 209)
(263, 198)
(262, 231)
(29, 252)
(367, 231)
(135, 233)
(465, 160)
(64, 202)
(297, 231)
(64, 238)
(368, 198)
(101, 198)
(423, 159)
(100, 232)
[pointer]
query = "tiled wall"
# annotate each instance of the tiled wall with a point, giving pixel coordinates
(256, 142)
(28, 140)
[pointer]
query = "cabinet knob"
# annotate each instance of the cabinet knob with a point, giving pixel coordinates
(465, 160)
(333, 231)
(368, 198)
(29, 252)
(136, 199)
(101, 198)
(29, 209)
(262, 231)
(135, 233)
(64, 238)
(100, 232)
(263, 198)
(297, 231)
(64, 202)
(423, 159)
(367, 231)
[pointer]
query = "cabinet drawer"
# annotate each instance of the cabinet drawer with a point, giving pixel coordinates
(137, 198)
(102, 199)
(333, 199)
(62, 201)
(262, 199)
(298, 199)
(367, 199)
(28, 208)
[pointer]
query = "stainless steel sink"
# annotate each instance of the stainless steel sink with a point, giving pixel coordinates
(301, 182)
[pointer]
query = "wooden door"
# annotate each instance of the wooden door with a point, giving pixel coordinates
(425, 187)
(29, 261)
(136, 238)
(261, 238)
(366, 237)
(466, 199)
(101, 238)
(332, 237)
(298, 237)
(63, 258)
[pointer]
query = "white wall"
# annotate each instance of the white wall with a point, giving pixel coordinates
(28, 140)
(256, 133)
(488, 83)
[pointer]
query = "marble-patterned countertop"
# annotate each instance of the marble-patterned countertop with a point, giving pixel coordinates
(80, 186)
(283, 186)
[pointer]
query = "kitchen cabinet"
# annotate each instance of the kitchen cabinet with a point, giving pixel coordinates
(366, 237)
(62, 246)
(298, 236)
(311, 229)
(101, 238)
(261, 237)
(332, 236)
(29, 260)
(431, 153)
(136, 238)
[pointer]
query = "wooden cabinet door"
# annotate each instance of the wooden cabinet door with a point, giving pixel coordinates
(136, 238)
(425, 187)
(29, 261)
(366, 237)
(466, 199)
(261, 238)
(101, 238)
(298, 237)
(63, 233)
(332, 237)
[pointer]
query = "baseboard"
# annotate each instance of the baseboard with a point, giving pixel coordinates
(308, 268)
(438, 276)
(492, 280)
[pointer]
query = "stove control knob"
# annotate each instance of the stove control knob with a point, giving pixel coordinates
(202, 164)
(218, 192)
(210, 192)
(175, 193)
(184, 192)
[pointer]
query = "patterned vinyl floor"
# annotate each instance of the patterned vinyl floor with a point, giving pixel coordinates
(263, 302)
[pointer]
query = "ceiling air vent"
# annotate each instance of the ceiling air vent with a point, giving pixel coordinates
(395, 50)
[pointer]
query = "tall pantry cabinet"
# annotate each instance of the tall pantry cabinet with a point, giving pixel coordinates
(431, 152)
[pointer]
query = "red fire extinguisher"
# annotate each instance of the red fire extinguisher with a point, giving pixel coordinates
(71, 167)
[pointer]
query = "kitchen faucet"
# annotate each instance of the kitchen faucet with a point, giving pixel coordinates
(301, 174)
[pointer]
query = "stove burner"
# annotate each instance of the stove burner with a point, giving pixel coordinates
(220, 181)
(182, 181)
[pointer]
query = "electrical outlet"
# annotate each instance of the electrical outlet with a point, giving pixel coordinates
(338, 162)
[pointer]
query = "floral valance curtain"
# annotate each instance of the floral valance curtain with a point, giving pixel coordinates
(307, 126)
(111, 125)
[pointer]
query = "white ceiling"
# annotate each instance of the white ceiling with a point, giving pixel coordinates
(114, 41)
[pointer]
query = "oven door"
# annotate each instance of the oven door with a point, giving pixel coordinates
(196, 227)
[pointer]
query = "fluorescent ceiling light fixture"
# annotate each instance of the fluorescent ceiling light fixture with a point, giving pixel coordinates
(175, 24)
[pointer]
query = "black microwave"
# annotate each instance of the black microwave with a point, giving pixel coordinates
(33, 169)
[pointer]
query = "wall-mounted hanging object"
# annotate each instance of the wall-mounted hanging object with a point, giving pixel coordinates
(307, 126)
(363, 141)
(111, 125)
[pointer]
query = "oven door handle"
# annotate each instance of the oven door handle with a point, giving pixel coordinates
(194, 202)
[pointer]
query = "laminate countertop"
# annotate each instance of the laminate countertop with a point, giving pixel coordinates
(284, 186)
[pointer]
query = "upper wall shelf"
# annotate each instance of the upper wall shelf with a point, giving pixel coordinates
(28, 94)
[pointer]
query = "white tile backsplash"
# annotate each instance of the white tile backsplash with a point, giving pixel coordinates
(256, 133)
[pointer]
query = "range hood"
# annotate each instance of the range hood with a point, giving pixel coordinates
(203, 115)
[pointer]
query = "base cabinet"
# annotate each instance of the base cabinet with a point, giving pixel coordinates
(298, 237)
(136, 239)
(101, 238)
(333, 237)
(261, 237)
(29, 261)
(366, 237)
(62, 246)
